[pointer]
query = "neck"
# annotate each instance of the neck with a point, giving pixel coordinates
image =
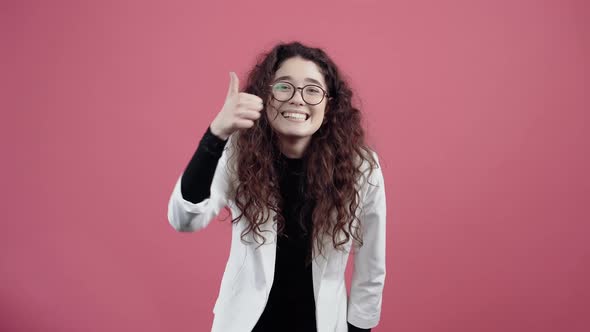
(293, 147)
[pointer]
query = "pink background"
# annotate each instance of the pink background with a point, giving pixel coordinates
(478, 110)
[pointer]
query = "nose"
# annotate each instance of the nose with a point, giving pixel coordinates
(297, 98)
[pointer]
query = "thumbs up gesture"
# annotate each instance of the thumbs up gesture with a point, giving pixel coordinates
(238, 112)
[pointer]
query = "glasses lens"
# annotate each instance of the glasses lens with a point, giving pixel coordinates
(313, 94)
(282, 91)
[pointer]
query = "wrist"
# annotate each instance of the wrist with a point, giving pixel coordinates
(215, 131)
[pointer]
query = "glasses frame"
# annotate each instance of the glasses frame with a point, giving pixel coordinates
(300, 88)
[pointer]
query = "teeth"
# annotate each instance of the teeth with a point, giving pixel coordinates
(295, 115)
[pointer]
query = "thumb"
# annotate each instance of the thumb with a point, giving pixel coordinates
(234, 84)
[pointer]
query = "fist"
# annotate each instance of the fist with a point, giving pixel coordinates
(239, 111)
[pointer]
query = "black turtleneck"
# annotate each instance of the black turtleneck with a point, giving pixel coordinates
(291, 305)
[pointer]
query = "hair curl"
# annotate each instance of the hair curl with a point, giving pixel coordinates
(332, 159)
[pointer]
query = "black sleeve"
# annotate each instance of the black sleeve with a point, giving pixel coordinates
(352, 328)
(196, 179)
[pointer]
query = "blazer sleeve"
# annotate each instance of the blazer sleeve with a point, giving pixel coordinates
(186, 215)
(368, 277)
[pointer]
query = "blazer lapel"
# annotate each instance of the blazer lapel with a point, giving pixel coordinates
(265, 255)
(318, 268)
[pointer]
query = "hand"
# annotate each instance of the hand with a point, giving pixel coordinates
(239, 111)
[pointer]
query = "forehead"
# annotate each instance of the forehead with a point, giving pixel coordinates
(300, 70)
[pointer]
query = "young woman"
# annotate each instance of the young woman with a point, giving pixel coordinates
(288, 158)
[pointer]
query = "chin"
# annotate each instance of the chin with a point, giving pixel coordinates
(295, 132)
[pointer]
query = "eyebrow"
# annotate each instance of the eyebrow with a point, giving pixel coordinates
(307, 79)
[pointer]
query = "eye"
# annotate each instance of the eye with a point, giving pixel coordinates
(313, 90)
(283, 87)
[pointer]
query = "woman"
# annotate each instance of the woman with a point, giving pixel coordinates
(288, 158)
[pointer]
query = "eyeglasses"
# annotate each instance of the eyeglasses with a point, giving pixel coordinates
(312, 94)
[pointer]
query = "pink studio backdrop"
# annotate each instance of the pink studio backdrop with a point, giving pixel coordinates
(478, 110)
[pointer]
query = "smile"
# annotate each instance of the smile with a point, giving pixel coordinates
(295, 117)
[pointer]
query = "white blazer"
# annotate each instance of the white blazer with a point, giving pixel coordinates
(249, 272)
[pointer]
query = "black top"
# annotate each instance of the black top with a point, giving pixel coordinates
(291, 304)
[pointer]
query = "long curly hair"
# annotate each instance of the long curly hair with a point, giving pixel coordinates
(332, 159)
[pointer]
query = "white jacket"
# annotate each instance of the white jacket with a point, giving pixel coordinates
(249, 272)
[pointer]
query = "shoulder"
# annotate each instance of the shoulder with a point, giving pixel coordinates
(370, 164)
(371, 174)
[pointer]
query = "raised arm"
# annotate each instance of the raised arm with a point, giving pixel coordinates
(202, 190)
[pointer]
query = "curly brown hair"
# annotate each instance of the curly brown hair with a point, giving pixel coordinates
(332, 160)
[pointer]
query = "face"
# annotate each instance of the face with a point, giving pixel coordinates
(293, 129)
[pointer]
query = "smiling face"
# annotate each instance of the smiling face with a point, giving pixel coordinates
(293, 131)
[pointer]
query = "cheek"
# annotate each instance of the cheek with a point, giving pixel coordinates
(271, 112)
(268, 108)
(273, 107)
(320, 114)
